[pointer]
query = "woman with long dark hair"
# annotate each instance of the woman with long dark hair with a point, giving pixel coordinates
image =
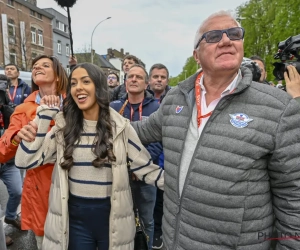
(90, 205)
(48, 78)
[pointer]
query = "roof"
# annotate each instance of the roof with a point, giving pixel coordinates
(35, 8)
(104, 63)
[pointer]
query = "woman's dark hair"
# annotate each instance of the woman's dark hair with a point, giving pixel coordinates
(59, 72)
(103, 147)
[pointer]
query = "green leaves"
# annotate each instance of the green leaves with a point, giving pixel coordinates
(267, 23)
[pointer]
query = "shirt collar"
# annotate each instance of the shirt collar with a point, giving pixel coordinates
(229, 88)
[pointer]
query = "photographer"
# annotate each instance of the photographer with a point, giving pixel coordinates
(262, 65)
(292, 79)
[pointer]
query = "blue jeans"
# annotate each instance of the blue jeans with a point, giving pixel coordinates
(88, 223)
(145, 196)
(11, 177)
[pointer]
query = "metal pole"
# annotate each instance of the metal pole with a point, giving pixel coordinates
(92, 56)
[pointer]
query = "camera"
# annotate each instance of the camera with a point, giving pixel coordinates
(253, 66)
(287, 51)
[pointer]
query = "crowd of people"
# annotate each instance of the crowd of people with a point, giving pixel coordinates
(214, 162)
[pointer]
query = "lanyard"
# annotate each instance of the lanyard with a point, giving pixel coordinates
(140, 111)
(14, 94)
(198, 101)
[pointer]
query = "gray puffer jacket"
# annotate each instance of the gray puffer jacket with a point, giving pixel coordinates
(227, 200)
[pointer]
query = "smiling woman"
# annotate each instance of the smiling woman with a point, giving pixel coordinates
(48, 78)
(91, 145)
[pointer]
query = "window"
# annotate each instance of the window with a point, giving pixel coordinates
(33, 55)
(12, 56)
(32, 13)
(40, 38)
(10, 2)
(58, 47)
(39, 16)
(66, 29)
(61, 26)
(67, 50)
(11, 28)
(33, 35)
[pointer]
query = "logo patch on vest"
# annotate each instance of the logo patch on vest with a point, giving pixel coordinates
(178, 109)
(240, 120)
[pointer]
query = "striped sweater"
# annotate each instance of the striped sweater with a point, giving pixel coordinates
(85, 181)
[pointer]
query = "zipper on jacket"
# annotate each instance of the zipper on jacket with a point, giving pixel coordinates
(179, 203)
(178, 210)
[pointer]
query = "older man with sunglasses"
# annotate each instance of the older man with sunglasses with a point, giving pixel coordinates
(232, 161)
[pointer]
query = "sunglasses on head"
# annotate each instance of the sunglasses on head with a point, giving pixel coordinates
(215, 36)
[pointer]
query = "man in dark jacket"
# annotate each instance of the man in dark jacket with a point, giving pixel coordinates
(18, 89)
(17, 92)
(158, 84)
(158, 81)
(231, 146)
(138, 104)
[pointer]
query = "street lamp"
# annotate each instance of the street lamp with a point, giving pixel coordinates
(92, 55)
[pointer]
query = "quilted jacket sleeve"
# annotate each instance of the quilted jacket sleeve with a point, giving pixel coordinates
(297, 99)
(284, 172)
(43, 149)
(150, 130)
(141, 163)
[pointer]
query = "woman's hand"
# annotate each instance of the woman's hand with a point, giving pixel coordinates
(292, 81)
(51, 101)
(28, 132)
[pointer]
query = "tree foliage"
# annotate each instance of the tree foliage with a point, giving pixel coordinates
(266, 23)
(189, 69)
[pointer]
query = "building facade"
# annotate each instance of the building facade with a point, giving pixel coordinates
(25, 32)
(61, 37)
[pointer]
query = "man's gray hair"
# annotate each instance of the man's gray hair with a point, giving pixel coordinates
(200, 32)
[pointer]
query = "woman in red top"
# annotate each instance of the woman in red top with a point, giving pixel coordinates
(48, 78)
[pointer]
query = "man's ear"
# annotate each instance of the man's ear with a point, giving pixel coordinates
(196, 57)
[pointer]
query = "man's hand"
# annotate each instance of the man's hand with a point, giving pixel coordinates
(72, 60)
(27, 133)
(292, 81)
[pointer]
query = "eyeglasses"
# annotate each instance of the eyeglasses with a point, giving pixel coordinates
(111, 78)
(215, 36)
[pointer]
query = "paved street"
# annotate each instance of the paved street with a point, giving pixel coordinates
(23, 240)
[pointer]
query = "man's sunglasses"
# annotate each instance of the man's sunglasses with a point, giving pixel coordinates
(215, 36)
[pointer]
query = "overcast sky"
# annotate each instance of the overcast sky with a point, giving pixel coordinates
(155, 31)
